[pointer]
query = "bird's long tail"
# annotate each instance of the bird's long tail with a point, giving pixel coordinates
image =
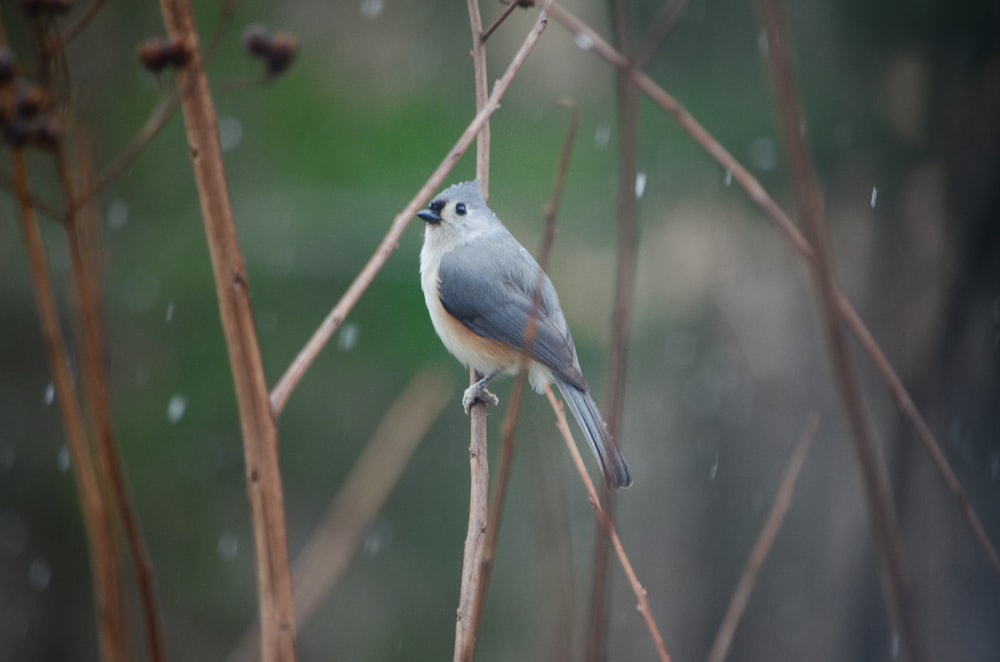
(613, 467)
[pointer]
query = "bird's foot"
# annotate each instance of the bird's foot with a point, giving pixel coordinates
(478, 393)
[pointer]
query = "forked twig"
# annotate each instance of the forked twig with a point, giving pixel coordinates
(761, 548)
(609, 528)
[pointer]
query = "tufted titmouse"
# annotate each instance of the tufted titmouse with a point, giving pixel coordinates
(479, 285)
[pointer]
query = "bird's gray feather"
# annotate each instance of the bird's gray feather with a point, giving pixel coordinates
(470, 290)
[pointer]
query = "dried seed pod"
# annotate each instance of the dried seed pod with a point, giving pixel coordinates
(31, 101)
(257, 40)
(284, 48)
(157, 54)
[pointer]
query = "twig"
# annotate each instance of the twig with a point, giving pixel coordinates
(504, 15)
(790, 232)
(104, 559)
(259, 427)
(809, 202)
(336, 537)
(492, 520)
(664, 25)
(84, 263)
(293, 375)
(621, 314)
(762, 548)
(640, 593)
(103, 556)
(76, 27)
(157, 120)
(475, 579)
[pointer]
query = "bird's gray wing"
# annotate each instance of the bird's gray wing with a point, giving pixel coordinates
(488, 286)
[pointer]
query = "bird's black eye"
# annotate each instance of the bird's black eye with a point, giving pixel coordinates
(460, 209)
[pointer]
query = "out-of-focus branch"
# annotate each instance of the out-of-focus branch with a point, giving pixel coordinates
(104, 557)
(664, 25)
(809, 202)
(642, 600)
(103, 553)
(627, 216)
(80, 229)
(258, 424)
(336, 537)
(759, 196)
(748, 578)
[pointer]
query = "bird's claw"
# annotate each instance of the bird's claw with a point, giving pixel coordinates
(477, 393)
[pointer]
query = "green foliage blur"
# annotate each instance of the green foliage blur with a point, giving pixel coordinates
(726, 357)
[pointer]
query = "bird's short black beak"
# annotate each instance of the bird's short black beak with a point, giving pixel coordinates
(429, 216)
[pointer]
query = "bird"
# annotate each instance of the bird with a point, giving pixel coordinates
(483, 289)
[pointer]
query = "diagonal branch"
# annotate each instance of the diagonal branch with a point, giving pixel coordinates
(293, 375)
(761, 549)
(609, 527)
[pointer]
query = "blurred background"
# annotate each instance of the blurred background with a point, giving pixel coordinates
(726, 362)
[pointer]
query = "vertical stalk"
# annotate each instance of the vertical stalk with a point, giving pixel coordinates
(257, 421)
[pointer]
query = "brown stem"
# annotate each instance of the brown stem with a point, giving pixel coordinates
(100, 536)
(474, 582)
(257, 421)
(492, 519)
(104, 557)
(84, 264)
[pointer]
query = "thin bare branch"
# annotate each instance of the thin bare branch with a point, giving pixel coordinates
(492, 520)
(103, 555)
(642, 600)
(257, 421)
(627, 215)
(80, 232)
(157, 120)
(337, 536)
(762, 548)
(809, 202)
(498, 21)
(759, 196)
(474, 581)
(293, 375)
(665, 23)
(76, 27)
